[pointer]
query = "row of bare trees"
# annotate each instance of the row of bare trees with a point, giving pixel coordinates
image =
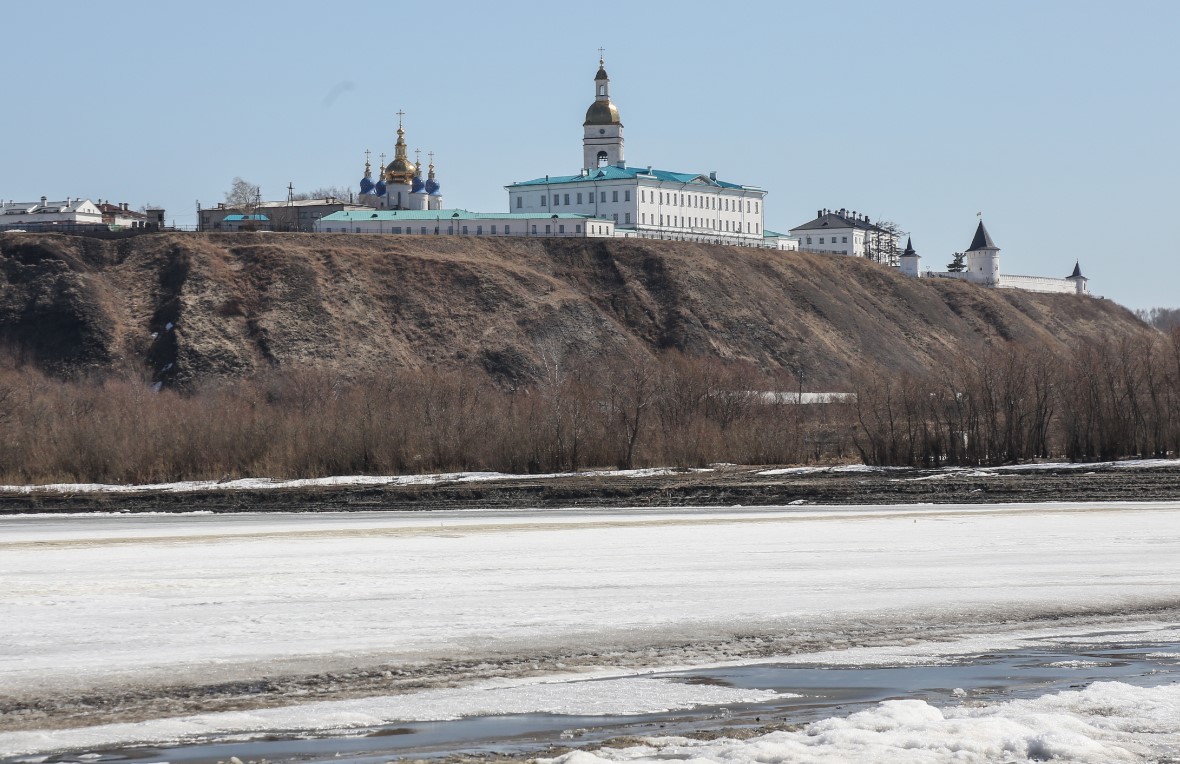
(1109, 399)
(625, 412)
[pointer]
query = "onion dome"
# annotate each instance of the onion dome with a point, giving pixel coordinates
(432, 184)
(379, 187)
(401, 170)
(416, 184)
(602, 113)
(367, 181)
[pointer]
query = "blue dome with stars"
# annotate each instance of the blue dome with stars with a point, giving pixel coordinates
(366, 185)
(379, 188)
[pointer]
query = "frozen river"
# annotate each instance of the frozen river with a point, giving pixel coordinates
(375, 616)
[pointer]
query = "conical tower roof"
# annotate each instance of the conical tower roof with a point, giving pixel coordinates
(982, 240)
(909, 248)
(1077, 271)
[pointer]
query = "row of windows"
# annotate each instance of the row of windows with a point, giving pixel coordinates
(676, 221)
(700, 201)
(563, 200)
(821, 240)
(425, 230)
(683, 200)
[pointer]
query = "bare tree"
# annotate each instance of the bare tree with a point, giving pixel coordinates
(882, 242)
(243, 195)
(340, 193)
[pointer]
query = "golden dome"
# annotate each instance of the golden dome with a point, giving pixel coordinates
(602, 113)
(399, 171)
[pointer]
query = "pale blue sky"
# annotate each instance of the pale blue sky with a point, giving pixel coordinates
(1058, 120)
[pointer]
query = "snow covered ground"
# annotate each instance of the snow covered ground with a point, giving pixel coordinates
(103, 603)
(256, 484)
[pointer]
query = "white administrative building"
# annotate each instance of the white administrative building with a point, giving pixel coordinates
(642, 201)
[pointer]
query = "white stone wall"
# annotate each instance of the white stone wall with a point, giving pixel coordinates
(542, 225)
(1038, 284)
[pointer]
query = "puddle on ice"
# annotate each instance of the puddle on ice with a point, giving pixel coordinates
(823, 691)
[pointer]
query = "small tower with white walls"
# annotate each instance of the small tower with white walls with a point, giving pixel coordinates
(911, 261)
(983, 259)
(602, 141)
(1081, 284)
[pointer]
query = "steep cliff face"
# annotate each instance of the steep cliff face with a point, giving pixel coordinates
(194, 306)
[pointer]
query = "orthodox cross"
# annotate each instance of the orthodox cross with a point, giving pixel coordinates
(400, 114)
(383, 160)
(417, 157)
(600, 52)
(367, 153)
(431, 155)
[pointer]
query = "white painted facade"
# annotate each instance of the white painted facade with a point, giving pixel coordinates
(69, 212)
(843, 232)
(452, 222)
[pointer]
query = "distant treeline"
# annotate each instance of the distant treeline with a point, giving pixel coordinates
(1106, 400)
(1161, 318)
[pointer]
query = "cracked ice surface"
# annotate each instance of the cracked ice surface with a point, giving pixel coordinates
(104, 602)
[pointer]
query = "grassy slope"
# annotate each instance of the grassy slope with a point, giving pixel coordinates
(243, 302)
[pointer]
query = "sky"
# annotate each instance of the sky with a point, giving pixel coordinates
(1058, 121)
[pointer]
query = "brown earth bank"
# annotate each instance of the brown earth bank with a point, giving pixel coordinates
(186, 307)
(722, 486)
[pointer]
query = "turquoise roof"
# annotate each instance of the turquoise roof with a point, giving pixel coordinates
(611, 172)
(769, 234)
(444, 215)
(237, 218)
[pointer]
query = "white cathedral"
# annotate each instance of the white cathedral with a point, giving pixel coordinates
(400, 185)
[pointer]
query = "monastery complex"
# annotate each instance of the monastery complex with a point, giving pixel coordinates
(608, 197)
(605, 198)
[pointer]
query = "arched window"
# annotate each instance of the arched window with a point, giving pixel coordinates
(602, 158)
(602, 90)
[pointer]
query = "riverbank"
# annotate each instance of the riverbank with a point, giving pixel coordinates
(716, 486)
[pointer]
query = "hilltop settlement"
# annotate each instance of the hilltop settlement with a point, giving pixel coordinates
(606, 198)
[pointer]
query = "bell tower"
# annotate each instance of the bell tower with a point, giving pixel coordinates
(602, 140)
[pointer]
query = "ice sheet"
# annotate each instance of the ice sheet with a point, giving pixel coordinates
(104, 601)
(625, 696)
(1106, 722)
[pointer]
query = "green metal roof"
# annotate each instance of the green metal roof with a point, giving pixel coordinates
(611, 172)
(359, 216)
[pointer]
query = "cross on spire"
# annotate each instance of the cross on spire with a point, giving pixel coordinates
(431, 155)
(601, 60)
(400, 114)
(367, 153)
(417, 157)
